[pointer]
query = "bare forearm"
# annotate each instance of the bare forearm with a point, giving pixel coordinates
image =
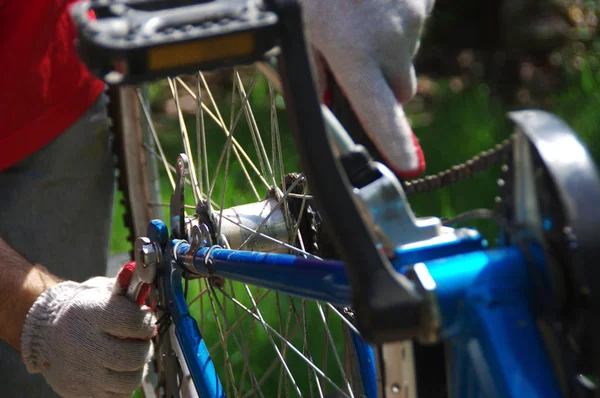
(20, 285)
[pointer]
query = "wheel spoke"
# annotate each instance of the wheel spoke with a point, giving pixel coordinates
(228, 157)
(153, 204)
(155, 136)
(254, 131)
(202, 301)
(276, 144)
(239, 321)
(239, 150)
(200, 136)
(304, 323)
(305, 348)
(187, 181)
(230, 137)
(168, 166)
(296, 230)
(197, 298)
(273, 365)
(281, 373)
(288, 344)
(255, 383)
(241, 350)
(222, 337)
(267, 328)
(186, 141)
(334, 348)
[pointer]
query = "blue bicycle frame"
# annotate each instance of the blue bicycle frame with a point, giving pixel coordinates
(483, 295)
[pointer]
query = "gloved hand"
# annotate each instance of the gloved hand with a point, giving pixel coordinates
(88, 339)
(369, 46)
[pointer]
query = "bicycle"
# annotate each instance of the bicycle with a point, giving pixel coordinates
(398, 277)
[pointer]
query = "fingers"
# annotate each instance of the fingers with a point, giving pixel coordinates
(124, 278)
(124, 318)
(394, 57)
(402, 80)
(369, 46)
(381, 115)
(125, 355)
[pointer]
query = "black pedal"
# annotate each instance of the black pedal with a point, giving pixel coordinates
(128, 42)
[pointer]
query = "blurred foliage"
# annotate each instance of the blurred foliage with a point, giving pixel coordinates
(525, 50)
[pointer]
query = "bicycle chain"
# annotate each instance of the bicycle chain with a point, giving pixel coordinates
(460, 172)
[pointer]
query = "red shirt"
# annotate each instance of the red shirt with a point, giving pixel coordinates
(44, 87)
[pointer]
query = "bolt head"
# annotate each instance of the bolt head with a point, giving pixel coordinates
(146, 252)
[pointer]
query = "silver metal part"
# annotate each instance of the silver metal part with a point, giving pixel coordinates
(252, 216)
(391, 214)
(341, 141)
(150, 22)
(199, 237)
(527, 213)
(147, 258)
(447, 234)
(177, 209)
(398, 370)
(430, 314)
(186, 383)
(384, 199)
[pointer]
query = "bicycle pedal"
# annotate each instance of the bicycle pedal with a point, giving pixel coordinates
(128, 42)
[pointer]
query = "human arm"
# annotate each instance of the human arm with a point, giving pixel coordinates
(21, 283)
(84, 338)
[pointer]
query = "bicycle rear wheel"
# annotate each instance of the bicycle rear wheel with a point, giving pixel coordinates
(243, 162)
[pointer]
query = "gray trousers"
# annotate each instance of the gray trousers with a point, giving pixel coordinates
(56, 210)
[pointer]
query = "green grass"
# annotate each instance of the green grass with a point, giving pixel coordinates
(462, 125)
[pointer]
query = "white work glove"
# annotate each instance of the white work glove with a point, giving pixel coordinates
(88, 339)
(369, 46)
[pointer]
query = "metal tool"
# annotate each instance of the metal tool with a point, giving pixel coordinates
(147, 257)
